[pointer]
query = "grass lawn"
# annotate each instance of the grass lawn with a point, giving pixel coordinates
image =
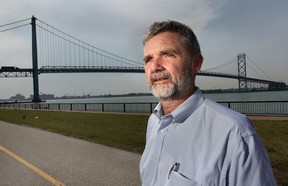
(128, 132)
(274, 135)
(125, 132)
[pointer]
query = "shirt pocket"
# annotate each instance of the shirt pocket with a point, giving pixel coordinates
(177, 179)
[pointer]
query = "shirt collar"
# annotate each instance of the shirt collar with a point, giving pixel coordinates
(182, 112)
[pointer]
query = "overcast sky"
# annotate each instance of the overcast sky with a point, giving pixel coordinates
(225, 28)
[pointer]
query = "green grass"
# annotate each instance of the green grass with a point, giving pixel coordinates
(128, 132)
(274, 135)
(121, 131)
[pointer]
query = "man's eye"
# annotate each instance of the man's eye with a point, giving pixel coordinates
(169, 55)
(147, 60)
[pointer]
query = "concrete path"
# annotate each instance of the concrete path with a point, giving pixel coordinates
(68, 161)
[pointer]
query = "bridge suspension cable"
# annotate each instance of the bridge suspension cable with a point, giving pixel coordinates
(13, 23)
(62, 49)
(267, 76)
(229, 62)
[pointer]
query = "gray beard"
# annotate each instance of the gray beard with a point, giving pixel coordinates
(173, 90)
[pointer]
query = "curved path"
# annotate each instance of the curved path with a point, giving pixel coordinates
(67, 160)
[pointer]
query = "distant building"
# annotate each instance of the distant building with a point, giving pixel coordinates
(47, 96)
(44, 96)
(17, 97)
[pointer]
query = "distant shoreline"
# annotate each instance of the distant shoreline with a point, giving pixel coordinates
(43, 96)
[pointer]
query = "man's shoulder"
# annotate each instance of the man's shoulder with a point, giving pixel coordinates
(222, 110)
(223, 116)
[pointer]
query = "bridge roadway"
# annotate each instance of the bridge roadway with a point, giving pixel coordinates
(68, 160)
(26, 72)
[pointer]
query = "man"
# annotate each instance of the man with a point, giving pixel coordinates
(192, 140)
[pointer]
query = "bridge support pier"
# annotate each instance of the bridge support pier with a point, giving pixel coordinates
(35, 62)
(242, 82)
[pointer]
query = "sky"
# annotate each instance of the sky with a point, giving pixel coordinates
(225, 28)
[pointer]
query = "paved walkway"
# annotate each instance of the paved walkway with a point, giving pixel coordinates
(67, 160)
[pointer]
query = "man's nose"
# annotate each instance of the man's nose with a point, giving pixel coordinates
(157, 65)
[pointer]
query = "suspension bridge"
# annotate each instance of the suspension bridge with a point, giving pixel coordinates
(58, 52)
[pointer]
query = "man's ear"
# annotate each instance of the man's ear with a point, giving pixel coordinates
(197, 63)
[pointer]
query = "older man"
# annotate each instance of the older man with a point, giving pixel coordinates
(192, 140)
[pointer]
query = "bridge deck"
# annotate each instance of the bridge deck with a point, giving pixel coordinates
(26, 72)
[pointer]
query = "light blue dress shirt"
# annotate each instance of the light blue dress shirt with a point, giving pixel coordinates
(203, 143)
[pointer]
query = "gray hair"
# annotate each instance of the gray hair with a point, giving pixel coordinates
(190, 39)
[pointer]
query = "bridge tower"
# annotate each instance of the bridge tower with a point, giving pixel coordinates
(242, 82)
(36, 97)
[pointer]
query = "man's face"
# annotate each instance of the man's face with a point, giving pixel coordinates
(169, 71)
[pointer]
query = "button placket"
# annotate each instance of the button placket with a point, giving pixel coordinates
(158, 149)
(162, 131)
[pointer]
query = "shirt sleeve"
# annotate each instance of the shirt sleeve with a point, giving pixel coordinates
(250, 164)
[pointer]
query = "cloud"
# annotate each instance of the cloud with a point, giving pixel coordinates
(194, 12)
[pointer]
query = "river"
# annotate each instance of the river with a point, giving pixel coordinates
(225, 97)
